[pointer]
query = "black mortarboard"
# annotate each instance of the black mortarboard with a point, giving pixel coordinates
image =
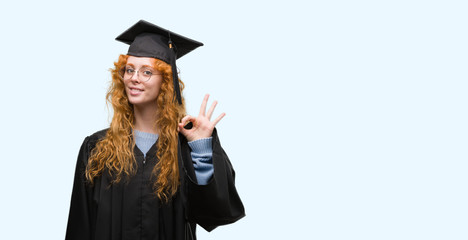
(148, 40)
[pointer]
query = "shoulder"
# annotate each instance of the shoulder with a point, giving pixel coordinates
(98, 135)
(89, 143)
(91, 140)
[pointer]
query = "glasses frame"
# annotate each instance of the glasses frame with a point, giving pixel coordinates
(140, 77)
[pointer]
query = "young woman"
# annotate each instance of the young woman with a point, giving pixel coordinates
(154, 173)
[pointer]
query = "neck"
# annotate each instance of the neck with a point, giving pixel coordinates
(145, 118)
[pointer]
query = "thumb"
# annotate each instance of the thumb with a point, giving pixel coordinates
(182, 129)
(186, 119)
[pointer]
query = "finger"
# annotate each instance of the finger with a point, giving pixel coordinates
(182, 129)
(186, 119)
(203, 105)
(211, 110)
(218, 118)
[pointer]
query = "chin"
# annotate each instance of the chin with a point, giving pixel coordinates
(134, 101)
(140, 102)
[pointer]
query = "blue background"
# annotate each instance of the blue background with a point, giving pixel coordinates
(345, 119)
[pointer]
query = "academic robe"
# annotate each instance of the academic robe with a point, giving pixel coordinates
(129, 210)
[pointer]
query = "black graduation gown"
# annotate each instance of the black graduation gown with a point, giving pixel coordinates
(131, 211)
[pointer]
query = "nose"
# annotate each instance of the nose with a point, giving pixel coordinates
(135, 77)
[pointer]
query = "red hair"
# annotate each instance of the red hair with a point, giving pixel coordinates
(115, 151)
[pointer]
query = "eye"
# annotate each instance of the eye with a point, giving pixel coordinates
(129, 70)
(147, 73)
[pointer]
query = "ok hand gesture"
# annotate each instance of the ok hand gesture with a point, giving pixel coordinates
(202, 127)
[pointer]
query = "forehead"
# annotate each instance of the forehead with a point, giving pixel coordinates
(140, 61)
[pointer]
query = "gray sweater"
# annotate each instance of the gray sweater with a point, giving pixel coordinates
(201, 153)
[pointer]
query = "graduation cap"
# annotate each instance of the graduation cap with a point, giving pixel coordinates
(148, 40)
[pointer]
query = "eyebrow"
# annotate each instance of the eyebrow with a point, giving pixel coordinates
(143, 66)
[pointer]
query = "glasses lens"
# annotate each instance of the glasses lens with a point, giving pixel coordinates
(128, 72)
(145, 74)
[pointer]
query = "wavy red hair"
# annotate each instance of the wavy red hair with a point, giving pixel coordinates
(115, 151)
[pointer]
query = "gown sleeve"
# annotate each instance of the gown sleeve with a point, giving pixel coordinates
(216, 203)
(79, 225)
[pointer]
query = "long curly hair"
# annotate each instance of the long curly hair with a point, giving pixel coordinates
(115, 151)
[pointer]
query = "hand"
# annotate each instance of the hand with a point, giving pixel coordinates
(202, 127)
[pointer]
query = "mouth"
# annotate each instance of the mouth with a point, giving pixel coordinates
(135, 91)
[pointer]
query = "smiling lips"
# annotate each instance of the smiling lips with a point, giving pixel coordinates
(135, 91)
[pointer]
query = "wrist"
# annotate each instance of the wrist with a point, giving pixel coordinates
(202, 145)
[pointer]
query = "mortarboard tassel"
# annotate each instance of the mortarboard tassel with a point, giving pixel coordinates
(175, 77)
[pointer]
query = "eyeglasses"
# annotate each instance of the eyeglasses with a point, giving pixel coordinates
(144, 74)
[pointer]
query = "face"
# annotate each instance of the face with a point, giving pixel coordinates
(143, 87)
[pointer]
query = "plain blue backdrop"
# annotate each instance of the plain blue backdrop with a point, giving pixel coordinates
(345, 119)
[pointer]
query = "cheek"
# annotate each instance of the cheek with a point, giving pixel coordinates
(125, 83)
(157, 87)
